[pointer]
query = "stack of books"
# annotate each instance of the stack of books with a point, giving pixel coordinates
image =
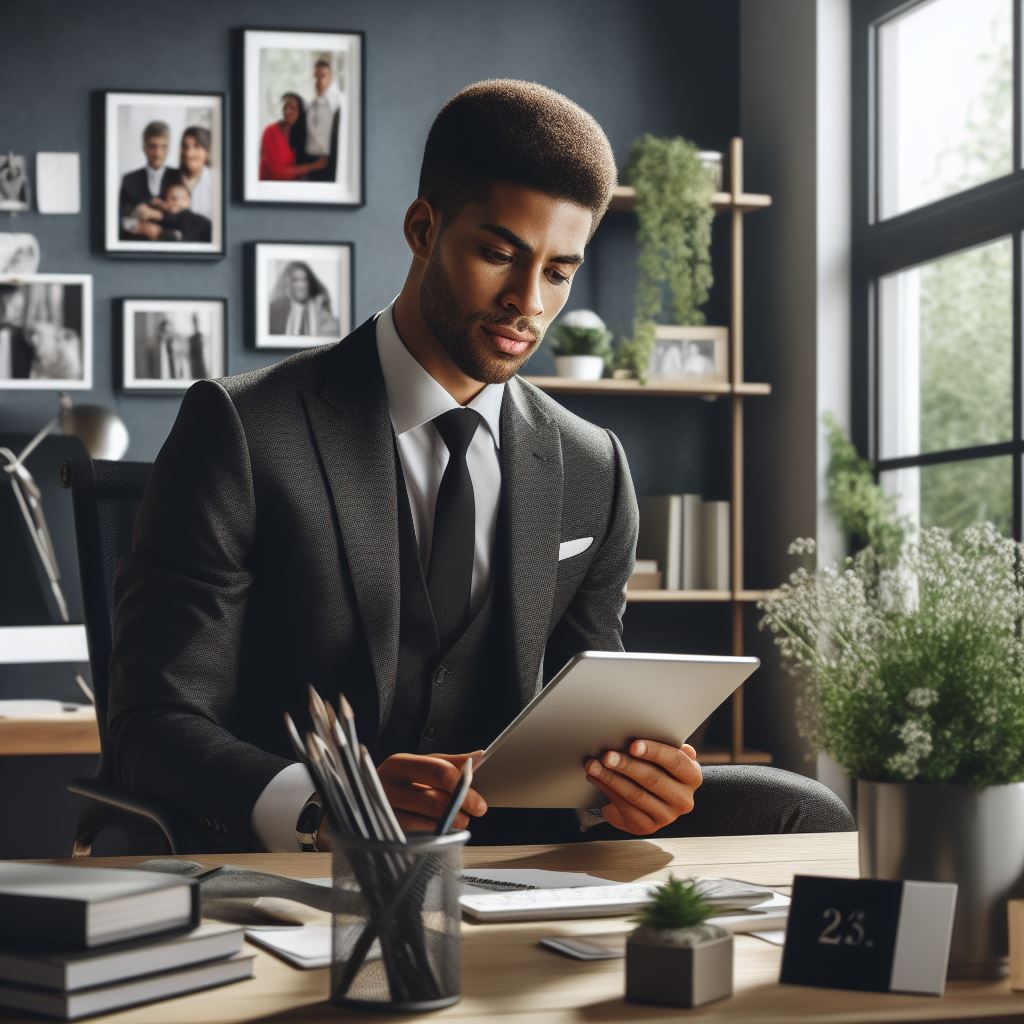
(80, 941)
(687, 539)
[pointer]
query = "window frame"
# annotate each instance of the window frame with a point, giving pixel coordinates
(966, 219)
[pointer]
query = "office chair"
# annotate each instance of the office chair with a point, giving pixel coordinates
(105, 497)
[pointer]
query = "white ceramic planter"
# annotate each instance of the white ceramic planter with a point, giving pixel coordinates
(580, 367)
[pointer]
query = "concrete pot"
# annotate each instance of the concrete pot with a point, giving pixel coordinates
(928, 832)
(580, 367)
(679, 967)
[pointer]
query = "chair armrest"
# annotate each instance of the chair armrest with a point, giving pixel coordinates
(181, 836)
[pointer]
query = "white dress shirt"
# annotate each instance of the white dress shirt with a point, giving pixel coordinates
(320, 111)
(414, 400)
(154, 178)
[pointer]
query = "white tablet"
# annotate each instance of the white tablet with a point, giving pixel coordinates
(600, 701)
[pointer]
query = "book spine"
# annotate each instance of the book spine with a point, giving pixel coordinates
(715, 545)
(690, 572)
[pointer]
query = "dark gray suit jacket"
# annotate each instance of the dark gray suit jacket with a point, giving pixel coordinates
(265, 558)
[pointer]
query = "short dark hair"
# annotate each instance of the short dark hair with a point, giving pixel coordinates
(521, 132)
(156, 129)
(322, 62)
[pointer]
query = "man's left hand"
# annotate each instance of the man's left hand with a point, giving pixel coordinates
(649, 786)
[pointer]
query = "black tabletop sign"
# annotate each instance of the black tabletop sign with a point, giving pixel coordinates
(842, 933)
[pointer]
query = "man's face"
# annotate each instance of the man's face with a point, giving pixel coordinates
(298, 284)
(155, 148)
(12, 307)
(502, 267)
(321, 78)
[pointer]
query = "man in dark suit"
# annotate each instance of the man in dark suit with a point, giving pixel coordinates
(386, 517)
(142, 191)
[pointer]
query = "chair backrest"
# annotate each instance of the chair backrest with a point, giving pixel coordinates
(106, 497)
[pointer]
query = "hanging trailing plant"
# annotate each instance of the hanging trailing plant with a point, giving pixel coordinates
(674, 214)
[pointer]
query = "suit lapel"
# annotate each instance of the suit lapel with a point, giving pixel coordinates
(531, 463)
(355, 440)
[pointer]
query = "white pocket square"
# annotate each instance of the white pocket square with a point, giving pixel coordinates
(568, 548)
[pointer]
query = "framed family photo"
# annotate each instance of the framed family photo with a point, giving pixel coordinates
(46, 332)
(169, 344)
(690, 353)
(302, 293)
(163, 174)
(303, 116)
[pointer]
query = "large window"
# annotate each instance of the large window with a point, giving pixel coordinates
(938, 213)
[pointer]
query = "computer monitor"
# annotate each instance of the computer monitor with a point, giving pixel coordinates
(32, 631)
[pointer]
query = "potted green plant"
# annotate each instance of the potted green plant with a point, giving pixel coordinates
(911, 654)
(674, 213)
(582, 345)
(673, 957)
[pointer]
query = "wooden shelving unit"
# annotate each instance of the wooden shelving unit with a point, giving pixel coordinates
(670, 388)
(736, 203)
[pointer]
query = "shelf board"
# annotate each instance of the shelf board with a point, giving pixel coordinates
(718, 755)
(693, 596)
(624, 200)
(668, 596)
(694, 388)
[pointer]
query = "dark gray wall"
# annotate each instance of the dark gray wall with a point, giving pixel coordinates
(659, 66)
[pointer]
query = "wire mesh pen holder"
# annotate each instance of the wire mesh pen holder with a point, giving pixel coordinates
(395, 946)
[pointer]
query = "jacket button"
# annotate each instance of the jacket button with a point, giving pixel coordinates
(429, 734)
(439, 675)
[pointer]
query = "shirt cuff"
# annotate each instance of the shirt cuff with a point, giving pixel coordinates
(277, 808)
(589, 817)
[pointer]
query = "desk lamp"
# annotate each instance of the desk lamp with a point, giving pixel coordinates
(104, 435)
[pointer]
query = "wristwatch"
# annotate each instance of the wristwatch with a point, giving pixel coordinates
(307, 827)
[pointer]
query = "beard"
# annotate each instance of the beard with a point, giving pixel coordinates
(439, 306)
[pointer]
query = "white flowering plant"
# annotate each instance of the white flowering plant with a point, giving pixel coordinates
(913, 668)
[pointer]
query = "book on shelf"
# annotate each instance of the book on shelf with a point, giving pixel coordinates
(646, 575)
(670, 533)
(715, 547)
(65, 1005)
(83, 907)
(70, 970)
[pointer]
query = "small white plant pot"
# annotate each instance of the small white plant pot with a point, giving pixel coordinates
(580, 367)
(679, 967)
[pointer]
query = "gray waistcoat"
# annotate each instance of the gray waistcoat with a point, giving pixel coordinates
(449, 701)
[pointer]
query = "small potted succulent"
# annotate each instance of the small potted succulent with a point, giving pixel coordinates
(581, 344)
(674, 958)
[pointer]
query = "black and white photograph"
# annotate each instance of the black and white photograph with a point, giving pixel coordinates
(303, 117)
(690, 353)
(19, 254)
(169, 344)
(14, 190)
(46, 332)
(303, 293)
(164, 174)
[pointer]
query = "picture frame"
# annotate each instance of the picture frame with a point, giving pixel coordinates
(313, 151)
(168, 344)
(164, 174)
(699, 353)
(302, 293)
(15, 189)
(46, 339)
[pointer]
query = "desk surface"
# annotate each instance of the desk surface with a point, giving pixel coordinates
(71, 732)
(508, 977)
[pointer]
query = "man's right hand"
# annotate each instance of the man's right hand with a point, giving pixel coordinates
(419, 786)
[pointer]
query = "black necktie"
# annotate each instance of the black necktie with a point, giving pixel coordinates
(450, 574)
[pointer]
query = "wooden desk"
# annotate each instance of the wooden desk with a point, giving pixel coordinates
(507, 976)
(71, 732)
